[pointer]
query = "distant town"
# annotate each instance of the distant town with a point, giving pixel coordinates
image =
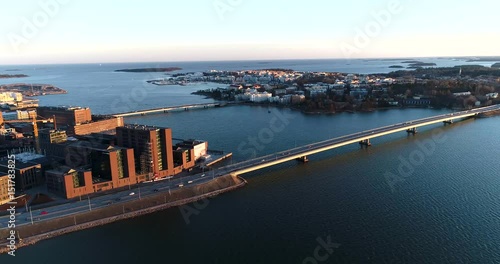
(459, 87)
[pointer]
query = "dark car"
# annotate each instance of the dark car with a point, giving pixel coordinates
(155, 190)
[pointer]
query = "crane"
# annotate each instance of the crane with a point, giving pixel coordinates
(33, 121)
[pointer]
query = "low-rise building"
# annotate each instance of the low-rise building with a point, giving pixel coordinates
(200, 148)
(28, 174)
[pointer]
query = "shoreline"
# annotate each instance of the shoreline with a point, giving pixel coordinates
(202, 191)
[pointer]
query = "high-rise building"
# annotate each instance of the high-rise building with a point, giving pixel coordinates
(155, 155)
(153, 150)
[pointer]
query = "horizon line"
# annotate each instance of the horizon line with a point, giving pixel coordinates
(242, 60)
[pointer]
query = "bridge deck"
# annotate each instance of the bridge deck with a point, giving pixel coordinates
(166, 109)
(299, 152)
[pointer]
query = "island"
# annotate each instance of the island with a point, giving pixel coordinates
(411, 61)
(484, 59)
(9, 76)
(396, 67)
(496, 65)
(420, 65)
(32, 89)
(169, 69)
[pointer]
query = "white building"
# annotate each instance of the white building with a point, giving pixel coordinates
(492, 95)
(8, 97)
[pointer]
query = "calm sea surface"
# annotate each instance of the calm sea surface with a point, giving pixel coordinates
(444, 207)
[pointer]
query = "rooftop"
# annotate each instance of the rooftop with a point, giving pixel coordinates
(28, 156)
(66, 108)
(143, 127)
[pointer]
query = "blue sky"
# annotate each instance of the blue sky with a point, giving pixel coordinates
(74, 31)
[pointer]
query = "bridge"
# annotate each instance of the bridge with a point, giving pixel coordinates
(169, 109)
(363, 138)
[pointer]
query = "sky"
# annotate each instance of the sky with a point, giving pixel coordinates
(92, 31)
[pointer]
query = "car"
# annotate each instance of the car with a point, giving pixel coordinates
(132, 193)
(43, 212)
(155, 190)
(203, 175)
(190, 181)
(109, 202)
(181, 185)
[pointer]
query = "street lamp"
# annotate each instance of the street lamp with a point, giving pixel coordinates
(90, 206)
(31, 216)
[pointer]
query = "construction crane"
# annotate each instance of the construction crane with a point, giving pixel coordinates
(33, 121)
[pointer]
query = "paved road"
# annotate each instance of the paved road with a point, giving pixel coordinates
(139, 191)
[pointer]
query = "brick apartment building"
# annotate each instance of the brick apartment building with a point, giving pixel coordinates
(100, 169)
(154, 151)
(79, 120)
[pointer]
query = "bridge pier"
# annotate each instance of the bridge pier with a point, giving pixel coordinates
(303, 159)
(448, 122)
(365, 142)
(412, 131)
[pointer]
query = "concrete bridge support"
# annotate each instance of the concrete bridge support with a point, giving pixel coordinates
(448, 122)
(412, 131)
(303, 159)
(365, 142)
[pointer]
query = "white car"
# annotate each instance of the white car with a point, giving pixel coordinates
(132, 193)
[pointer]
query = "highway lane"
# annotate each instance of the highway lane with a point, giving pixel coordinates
(140, 191)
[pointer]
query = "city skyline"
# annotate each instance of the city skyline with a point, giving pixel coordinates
(56, 31)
